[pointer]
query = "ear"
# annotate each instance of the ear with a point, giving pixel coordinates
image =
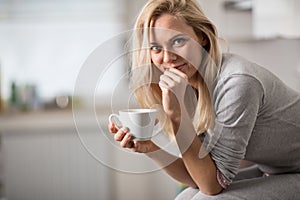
(203, 40)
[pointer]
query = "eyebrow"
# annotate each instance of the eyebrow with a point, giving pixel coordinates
(172, 38)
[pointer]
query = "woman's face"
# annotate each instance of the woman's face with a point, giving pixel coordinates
(174, 44)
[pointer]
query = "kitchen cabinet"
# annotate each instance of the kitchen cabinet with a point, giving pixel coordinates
(44, 158)
(276, 18)
(241, 20)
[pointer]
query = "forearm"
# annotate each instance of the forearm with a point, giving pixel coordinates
(202, 169)
(172, 165)
(197, 161)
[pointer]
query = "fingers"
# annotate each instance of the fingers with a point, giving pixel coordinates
(123, 136)
(177, 72)
(112, 127)
(120, 134)
(169, 78)
(172, 77)
(163, 85)
(126, 141)
(167, 81)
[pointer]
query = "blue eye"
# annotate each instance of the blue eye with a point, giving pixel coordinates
(156, 48)
(179, 41)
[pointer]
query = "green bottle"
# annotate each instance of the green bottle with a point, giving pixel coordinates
(13, 95)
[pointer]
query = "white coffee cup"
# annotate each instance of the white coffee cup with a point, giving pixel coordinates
(140, 122)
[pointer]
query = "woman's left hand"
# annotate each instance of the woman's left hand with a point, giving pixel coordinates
(173, 84)
(123, 136)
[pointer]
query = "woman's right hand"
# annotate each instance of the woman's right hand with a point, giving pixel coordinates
(173, 84)
(124, 137)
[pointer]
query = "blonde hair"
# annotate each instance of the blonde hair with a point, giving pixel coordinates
(147, 91)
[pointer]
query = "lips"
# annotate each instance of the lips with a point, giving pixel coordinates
(180, 67)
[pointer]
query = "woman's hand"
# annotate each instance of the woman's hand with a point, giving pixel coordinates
(124, 137)
(173, 84)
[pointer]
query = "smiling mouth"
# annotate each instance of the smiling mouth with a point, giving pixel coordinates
(180, 67)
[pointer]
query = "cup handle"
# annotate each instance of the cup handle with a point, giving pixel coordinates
(157, 128)
(117, 122)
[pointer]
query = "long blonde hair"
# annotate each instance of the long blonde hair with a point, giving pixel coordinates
(144, 74)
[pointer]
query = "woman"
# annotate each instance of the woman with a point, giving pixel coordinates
(242, 111)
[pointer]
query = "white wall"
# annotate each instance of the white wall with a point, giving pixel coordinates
(276, 18)
(46, 42)
(281, 56)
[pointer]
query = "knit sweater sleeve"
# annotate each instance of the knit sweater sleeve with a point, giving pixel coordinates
(237, 99)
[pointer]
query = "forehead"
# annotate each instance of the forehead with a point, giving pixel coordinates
(168, 25)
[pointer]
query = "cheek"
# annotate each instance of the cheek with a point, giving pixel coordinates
(195, 56)
(192, 54)
(191, 71)
(155, 58)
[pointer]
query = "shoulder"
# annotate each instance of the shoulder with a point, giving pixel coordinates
(238, 73)
(238, 84)
(238, 90)
(235, 64)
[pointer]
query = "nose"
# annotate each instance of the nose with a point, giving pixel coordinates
(168, 56)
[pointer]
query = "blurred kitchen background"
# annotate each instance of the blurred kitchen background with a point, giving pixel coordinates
(43, 46)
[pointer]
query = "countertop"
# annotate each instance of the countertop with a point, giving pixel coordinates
(52, 120)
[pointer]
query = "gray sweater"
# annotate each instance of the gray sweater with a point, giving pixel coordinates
(257, 119)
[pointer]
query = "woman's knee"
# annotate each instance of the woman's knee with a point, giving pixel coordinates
(195, 194)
